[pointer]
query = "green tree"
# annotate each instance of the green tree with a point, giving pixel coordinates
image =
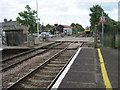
(109, 25)
(77, 27)
(73, 25)
(96, 13)
(49, 27)
(95, 19)
(43, 28)
(5, 20)
(28, 18)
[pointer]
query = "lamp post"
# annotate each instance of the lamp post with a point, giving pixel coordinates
(42, 26)
(1, 32)
(37, 18)
(95, 37)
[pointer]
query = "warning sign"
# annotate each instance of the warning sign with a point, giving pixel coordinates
(102, 19)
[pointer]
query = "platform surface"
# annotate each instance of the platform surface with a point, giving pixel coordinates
(83, 72)
(111, 61)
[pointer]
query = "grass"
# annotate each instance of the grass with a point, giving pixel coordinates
(99, 44)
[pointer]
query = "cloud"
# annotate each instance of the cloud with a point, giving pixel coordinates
(58, 11)
(113, 14)
(94, 1)
(9, 9)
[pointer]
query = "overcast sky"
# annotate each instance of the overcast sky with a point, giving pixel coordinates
(58, 11)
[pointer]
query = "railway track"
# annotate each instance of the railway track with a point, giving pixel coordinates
(29, 51)
(84, 35)
(13, 61)
(44, 75)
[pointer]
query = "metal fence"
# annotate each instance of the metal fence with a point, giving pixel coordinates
(110, 38)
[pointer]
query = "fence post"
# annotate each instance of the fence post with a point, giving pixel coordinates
(95, 37)
(114, 37)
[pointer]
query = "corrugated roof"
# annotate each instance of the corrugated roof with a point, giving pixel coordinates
(10, 23)
(13, 25)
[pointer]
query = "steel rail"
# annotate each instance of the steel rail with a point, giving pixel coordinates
(57, 76)
(35, 70)
(27, 52)
(14, 64)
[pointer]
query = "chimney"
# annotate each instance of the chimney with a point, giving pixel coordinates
(10, 20)
(5, 20)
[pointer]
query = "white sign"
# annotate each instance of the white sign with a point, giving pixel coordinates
(102, 19)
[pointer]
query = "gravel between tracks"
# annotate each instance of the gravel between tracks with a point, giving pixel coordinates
(12, 75)
(16, 73)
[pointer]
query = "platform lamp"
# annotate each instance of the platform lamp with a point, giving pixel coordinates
(37, 18)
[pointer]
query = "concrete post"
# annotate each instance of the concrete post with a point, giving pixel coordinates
(95, 37)
(114, 37)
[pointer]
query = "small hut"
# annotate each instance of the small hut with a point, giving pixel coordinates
(14, 37)
(15, 33)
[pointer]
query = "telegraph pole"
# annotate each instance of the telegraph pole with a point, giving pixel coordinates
(95, 37)
(42, 26)
(37, 18)
(1, 31)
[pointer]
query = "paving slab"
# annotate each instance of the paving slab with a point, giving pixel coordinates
(80, 76)
(80, 67)
(77, 85)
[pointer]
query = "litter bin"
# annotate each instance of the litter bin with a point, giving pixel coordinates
(47, 37)
(62, 34)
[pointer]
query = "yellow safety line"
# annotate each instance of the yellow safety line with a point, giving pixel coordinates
(104, 72)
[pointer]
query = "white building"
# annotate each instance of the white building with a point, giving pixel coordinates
(67, 30)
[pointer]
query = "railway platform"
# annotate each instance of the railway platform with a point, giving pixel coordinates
(41, 44)
(85, 71)
(111, 62)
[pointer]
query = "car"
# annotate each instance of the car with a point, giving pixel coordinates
(35, 34)
(43, 34)
(50, 35)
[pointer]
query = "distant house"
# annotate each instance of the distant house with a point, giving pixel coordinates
(59, 28)
(67, 30)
